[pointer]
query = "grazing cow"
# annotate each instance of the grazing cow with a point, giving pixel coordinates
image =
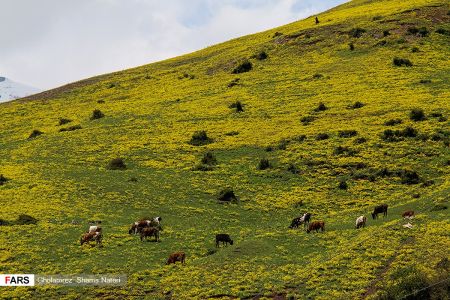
(91, 236)
(224, 238)
(361, 222)
(137, 226)
(177, 256)
(378, 210)
(316, 225)
(408, 214)
(301, 220)
(94, 228)
(150, 231)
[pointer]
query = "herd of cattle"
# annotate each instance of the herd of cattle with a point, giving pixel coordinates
(152, 228)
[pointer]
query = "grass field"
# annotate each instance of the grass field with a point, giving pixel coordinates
(150, 115)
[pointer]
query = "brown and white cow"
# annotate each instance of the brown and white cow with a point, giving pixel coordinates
(137, 226)
(361, 222)
(316, 225)
(176, 256)
(91, 237)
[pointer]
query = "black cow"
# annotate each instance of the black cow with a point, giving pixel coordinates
(378, 210)
(224, 238)
(301, 220)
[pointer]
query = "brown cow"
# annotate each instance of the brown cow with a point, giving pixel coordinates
(91, 236)
(177, 256)
(316, 225)
(150, 231)
(408, 214)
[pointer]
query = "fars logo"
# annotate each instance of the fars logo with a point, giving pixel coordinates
(17, 280)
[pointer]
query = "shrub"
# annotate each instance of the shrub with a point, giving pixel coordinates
(116, 164)
(293, 168)
(276, 34)
(393, 122)
(97, 114)
(356, 105)
(343, 185)
(232, 133)
(422, 31)
(360, 140)
(408, 177)
(133, 179)
(264, 164)
(317, 76)
(261, 55)
(111, 85)
(300, 138)
(342, 150)
(443, 31)
(200, 138)
(25, 220)
(35, 133)
(402, 62)
(322, 136)
(407, 283)
(414, 50)
(227, 195)
(209, 159)
(100, 101)
(395, 135)
(347, 133)
(283, 144)
(307, 119)
(233, 82)
(351, 46)
(71, 128)
(321, 107)
(386, 33)
(417, 114)
(4, 222)
(243, 67)
(357, 32)
(376, 18)
(3, 179)
(210, 251)
(424, 81)
(238, 106)
(63, 121)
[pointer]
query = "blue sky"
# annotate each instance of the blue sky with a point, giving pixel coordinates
(48, 43)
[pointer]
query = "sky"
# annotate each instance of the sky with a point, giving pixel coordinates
(48, 43)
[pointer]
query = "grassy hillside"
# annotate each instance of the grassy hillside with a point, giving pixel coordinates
(362, 147)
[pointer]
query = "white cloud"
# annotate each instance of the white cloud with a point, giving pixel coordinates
(52, 42)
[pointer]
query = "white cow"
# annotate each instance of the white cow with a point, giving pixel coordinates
(94, 228)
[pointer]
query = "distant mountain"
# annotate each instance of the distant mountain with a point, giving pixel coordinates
(10, 90)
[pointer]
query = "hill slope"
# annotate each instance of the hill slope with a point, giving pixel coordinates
(364, 146)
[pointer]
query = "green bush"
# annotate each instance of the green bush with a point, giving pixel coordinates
(386, 33)
(116, 164)
(356, 105)
(351, 46)
(200, 138)
(97, 114)
(209, 159)
(3, 179)
(227, 195)
(233, 82)
(422, 31)
(293, 168)
(243, 67)
(25, 220)
(409, 177)
(360, 140)
(322, 136)
(264, 164)
(63, 121)
(261, 55)
(343, 185)
(443, 31)
(393, 122)
(307, 119)
(357, 32)
(402, 62)
(35, 133)
(343, 150)
(417, 114)
(238, 106)
(347, 133)
(317, 76)
(321, 107)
